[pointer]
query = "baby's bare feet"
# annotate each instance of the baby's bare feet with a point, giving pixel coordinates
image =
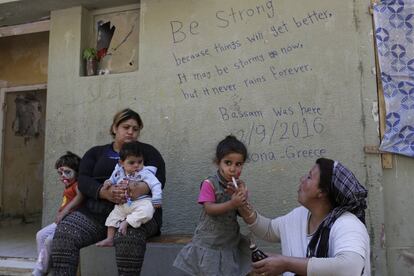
(108, 242)
(123, 227)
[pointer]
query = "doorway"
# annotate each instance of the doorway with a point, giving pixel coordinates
(22, 157)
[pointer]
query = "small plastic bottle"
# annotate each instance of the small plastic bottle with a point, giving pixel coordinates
(257, 254)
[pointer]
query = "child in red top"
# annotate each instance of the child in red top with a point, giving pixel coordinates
(67, 167)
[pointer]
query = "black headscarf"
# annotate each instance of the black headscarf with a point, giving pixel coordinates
(346, 195)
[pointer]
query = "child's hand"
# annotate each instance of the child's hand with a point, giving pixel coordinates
(238, 199)
(137, 189)
(241, 184)
(241, 187)
(60, 216)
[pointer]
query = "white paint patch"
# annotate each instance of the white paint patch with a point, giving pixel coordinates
(143, 7)
(396, 166)
(374, 111)
(382, 236)
(68, 39)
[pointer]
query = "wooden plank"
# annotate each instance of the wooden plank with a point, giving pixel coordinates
(386, 158)
(28, 28)
(373, 149)
(176, 239)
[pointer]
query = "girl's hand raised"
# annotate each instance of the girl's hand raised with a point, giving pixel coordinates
(238, 199)
(241, 186)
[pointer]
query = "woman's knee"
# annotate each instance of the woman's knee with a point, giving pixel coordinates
(66, 232)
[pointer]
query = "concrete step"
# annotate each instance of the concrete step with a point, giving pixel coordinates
(16, 266)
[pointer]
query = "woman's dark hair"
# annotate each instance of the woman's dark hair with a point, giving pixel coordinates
(70, 160)
(326, 169)
(124, 115)
(228, 145)
(130, 149)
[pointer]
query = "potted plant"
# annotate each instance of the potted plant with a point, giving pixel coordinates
(90, 55)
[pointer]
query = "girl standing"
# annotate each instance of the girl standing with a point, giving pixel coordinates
(217, 247)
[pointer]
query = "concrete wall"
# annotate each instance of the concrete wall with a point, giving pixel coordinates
(399, 216)
(292, 79)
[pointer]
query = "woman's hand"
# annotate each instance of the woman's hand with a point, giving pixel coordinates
(113, 193)
(272, 265)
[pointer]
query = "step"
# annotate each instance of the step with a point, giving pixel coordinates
(97, 261)
(16, 266)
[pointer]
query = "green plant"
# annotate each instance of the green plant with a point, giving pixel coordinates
(90, 53)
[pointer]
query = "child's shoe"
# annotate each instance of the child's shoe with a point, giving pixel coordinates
(37, 272)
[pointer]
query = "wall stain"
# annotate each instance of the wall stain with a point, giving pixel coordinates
(382, 236)
(361, 85)
(408, 258)
(355, 16)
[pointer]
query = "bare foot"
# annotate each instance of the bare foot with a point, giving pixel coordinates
(123, 227)
(108, 242)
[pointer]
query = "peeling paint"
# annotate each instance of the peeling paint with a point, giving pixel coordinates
(68, 39)
(382, 236)
(28, 115)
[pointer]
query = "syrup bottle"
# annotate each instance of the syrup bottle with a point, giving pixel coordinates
(257, 254)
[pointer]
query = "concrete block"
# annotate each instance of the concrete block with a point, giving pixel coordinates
(158, 260)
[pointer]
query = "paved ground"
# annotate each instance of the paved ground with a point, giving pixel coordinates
(17, 247)
(18, 239)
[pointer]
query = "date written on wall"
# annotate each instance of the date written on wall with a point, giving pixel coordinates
(281, 130)
(288, 123)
